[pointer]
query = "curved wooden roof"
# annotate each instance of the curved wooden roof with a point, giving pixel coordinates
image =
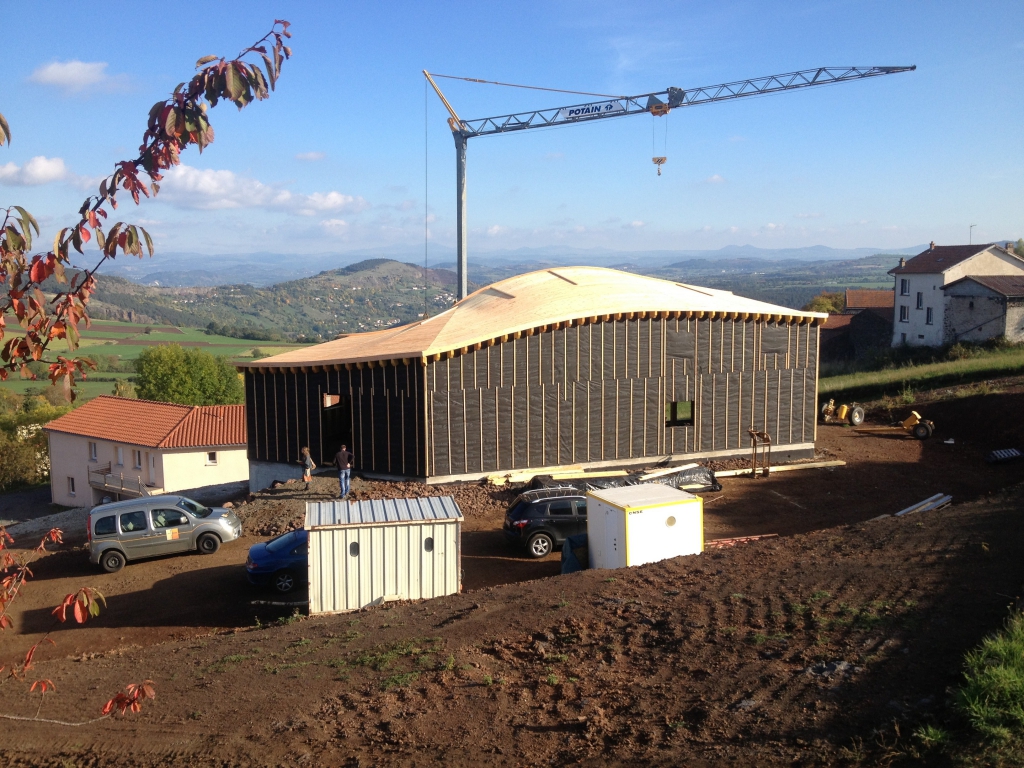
(531, 303)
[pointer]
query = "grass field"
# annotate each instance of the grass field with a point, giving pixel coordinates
(892, 381)
(111, 337)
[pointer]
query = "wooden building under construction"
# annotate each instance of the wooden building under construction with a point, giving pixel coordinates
(575, 365)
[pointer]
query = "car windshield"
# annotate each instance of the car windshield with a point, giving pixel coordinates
(194, 508)
(515, 509)
(283, 542)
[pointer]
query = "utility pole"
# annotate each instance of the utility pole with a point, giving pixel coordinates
(657, 104)
(970, 232)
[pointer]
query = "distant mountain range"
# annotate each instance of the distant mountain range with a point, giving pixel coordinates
(179, 270)
(380, 293)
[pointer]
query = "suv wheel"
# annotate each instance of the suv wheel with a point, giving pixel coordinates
(112, 561)
(540, 545)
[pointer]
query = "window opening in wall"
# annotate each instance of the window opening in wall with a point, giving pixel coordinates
(331, 400)
(353, 549)
(92, 452)
(137, 459)
(211, 457)
(970, 305)
(904, 314)
(928, 316)
(428, 544)
(679, 413)
(920, 335)
(904, 287)
(71, 486)
(120, 456)
(920, 300)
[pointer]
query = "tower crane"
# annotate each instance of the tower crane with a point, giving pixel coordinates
(658, 104)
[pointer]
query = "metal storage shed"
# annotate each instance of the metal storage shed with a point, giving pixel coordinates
(571, 365)
(365, 552)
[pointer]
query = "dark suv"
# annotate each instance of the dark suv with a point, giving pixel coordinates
(542, 519)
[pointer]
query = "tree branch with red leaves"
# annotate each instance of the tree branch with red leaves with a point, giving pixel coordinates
(174, 125)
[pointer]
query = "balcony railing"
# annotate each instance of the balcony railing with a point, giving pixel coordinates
(104, 479)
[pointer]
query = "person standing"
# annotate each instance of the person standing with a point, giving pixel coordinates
(307, 466)
(343, 461)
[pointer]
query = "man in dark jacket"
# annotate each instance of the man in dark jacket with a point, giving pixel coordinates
(343, 461)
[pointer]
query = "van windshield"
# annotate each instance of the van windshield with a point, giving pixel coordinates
(194, 508)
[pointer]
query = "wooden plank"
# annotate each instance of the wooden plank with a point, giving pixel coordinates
(579, 475)
(783, 468)
(668, 471)
(499, 478)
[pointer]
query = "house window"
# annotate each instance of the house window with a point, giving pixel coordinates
(137, 459)
(904, 287)
(120, 456)
(679, 413)
(211, 457)
(928, 317)
(92, 452)
(920, 300)
(71, 486)
(903, 338)
(970, 305)
(904, 314)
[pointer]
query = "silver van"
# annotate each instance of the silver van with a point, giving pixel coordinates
(156, 525)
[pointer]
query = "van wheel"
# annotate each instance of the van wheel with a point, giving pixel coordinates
(112, 561)
(284, 581)
(540, 545)
(208, 544)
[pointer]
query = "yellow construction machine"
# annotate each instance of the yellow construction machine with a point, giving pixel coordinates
(912, 426)
(842, 414)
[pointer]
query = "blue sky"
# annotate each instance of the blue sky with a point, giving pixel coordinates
(334, 161)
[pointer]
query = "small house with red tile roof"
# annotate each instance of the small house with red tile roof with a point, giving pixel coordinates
(121, 448)
(919, 313)
(858, 299)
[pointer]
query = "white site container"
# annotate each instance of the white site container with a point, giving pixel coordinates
(367, 552)
(638, 524)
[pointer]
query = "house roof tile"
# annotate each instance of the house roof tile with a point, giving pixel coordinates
(154, 425)
(941, 257)
(1011, 286)
(862, 298)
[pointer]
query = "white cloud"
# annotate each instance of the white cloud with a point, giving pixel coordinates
(334, 226)
(38, 170)
(310, 156)
(807, 216)
(716, 179)
(634, 225)
(188, 187)
(76, 76)
(496, 229)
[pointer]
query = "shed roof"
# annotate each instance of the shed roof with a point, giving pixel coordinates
(642, 496)
(862, 298)
(340, 514)
(154, 425)
(1011, 286)
(939, 258)
(836, 322)
(526, 303)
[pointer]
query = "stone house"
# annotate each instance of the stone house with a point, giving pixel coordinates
(120, 448)
(983, 307)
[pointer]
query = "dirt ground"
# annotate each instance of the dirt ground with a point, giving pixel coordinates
(703, 660)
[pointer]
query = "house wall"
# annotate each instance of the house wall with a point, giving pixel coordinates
(596, 394)
(188, 468)
(69, 457)
(916, 330)
(1015, 320)
(974, 313)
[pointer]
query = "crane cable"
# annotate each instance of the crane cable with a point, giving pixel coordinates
(426, 193)
(529, 87)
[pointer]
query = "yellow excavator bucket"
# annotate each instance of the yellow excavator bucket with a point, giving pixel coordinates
(911, 420)
(841, 412)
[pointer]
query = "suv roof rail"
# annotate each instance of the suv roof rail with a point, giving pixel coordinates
(549, 493)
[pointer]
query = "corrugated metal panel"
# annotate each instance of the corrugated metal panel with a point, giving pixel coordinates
(329, 514)
(351, 567)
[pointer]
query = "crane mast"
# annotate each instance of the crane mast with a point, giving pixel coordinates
(658, 104)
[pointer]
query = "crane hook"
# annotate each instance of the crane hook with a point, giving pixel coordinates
(659, 161)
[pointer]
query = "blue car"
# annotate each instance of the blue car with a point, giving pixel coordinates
(282, 561)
